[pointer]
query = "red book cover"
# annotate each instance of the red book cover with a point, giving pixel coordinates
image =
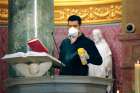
(37, 46)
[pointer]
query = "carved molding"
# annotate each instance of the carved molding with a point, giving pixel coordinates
(93, 12)
(82, 2)
(3, 12)
(90, 14)
(3, 15)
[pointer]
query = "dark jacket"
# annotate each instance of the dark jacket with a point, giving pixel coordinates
(69, 56)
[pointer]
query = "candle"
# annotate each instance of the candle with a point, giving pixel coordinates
(137, 77)
(118, 91)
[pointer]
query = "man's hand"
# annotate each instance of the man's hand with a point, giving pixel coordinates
(83, 55)
(83, 52)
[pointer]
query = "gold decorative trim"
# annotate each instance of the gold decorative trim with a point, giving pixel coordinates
(3, 16)
(82, 2)
(4, 2)
(3, 12)
(90, 13)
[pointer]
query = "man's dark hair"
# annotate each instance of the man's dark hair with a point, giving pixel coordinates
(75, 18)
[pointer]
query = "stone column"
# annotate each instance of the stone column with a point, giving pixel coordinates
(30, 19)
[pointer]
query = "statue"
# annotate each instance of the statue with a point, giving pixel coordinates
(105, 69)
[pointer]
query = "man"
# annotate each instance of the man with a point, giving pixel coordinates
(69, 47)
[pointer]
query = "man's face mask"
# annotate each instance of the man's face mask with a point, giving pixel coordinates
(73, 32)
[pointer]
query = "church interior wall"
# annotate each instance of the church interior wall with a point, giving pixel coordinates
(124, 46)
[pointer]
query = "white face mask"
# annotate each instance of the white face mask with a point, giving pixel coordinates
(73, 31)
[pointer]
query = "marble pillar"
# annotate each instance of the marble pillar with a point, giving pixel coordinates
(30, 19)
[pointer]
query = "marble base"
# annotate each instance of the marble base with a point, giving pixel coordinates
(58, 84)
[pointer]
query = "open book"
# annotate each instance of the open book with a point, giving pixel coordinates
(37, 46)
(30, 56)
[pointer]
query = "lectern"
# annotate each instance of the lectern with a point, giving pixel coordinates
(31, 64)
(54, 84)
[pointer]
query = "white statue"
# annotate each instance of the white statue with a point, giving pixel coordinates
(105, 69)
